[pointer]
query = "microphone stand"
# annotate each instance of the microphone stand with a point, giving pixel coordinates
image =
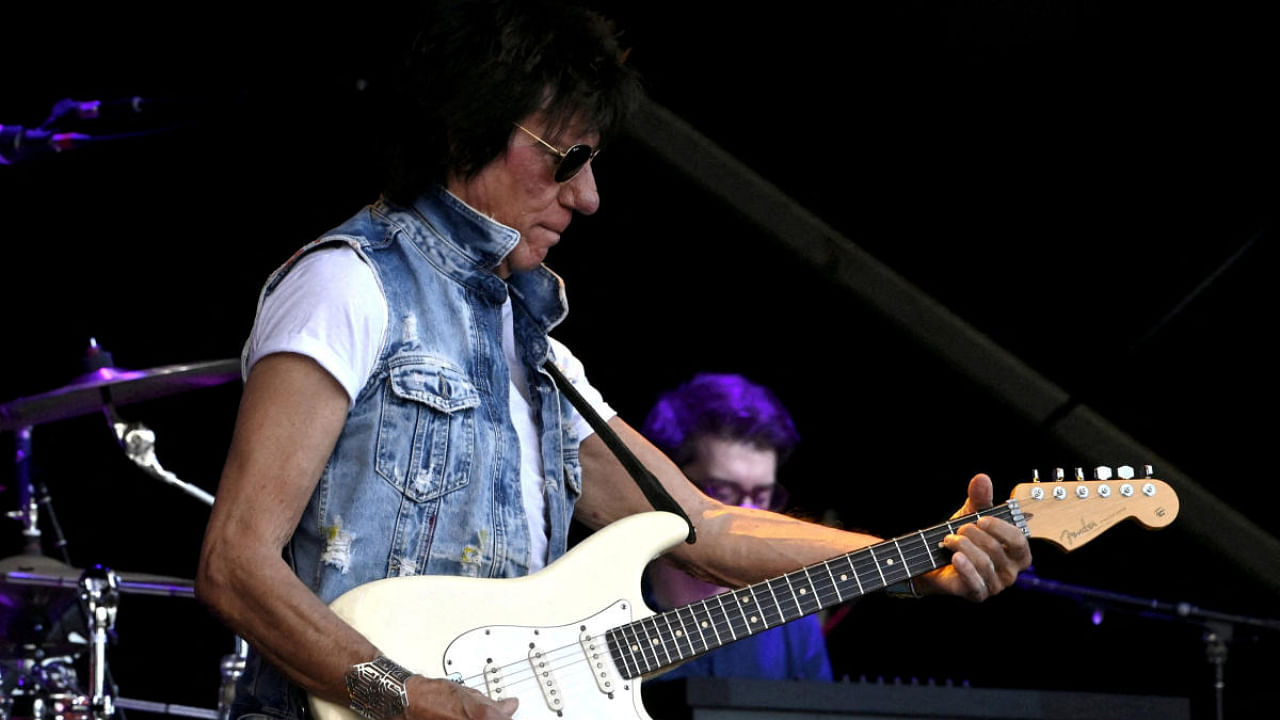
(1219, 626)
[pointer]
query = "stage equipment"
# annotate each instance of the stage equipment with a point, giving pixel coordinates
(1219, 628)
(54, 615)
(730, 698)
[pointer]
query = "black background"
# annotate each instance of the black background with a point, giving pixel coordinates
(1089, 184)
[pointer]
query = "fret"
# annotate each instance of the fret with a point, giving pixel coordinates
(620, 652)
(645, 638)
(925, 542)
(834, 584)
(853, 570)
(879, 562)
(777, 606)
(703, 622)
(811, 592)
(795, 597)
(667, 647)
(711, 621)
(759, 612)
(868, 568)
(684, 632)
(895, 569)
(728, 620)
(653, 636)
(637, 649)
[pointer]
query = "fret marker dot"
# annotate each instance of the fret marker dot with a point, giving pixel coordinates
(889, 561)
(679, 633)
(753, 618)
(803, 591)
(653, 641)
(705, 624)
(843, 578)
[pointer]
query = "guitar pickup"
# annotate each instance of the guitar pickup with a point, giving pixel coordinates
(544, 673)
(493, 682)
(596, 650)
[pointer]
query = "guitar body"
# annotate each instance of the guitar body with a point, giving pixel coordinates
(531, 637)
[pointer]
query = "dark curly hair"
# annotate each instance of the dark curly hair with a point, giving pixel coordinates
(478, 66)
(728, 406)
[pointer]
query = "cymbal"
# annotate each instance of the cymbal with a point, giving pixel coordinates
(94, 391)
(37, 571)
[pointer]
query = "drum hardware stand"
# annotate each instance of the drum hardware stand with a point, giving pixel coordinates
(28, 512)
(99, 591)
(232, 669)
(139, 443)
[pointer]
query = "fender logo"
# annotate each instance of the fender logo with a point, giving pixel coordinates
(1086, 526)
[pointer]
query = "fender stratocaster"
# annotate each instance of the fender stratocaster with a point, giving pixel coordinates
(574, 639)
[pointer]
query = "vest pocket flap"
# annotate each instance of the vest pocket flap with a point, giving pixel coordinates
(434, 384)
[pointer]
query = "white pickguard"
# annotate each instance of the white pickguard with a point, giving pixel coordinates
(521, 637)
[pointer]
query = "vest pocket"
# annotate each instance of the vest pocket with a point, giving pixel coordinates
(426, 435)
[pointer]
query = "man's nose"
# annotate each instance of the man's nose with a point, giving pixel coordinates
(580, 193)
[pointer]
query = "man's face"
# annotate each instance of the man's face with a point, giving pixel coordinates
(518, 190)
(734, 471)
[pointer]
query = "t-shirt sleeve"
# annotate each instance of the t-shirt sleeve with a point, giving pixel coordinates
(572, 368)
(330, 308)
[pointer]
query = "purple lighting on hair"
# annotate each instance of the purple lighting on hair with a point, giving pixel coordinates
(1097, 616)
(722, 405)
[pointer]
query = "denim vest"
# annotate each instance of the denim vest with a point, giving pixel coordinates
(424, 478)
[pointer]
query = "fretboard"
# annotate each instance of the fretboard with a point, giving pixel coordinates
(676, 635)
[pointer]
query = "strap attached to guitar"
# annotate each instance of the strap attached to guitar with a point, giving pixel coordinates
(657, 495)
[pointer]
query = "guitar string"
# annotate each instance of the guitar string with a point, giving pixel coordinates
(917, 554)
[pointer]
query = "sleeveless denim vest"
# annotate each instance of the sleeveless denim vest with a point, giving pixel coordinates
(425, 478)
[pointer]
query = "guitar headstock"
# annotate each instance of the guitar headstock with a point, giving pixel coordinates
(1070, 513)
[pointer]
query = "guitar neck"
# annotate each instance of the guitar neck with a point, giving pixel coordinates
(677, 635)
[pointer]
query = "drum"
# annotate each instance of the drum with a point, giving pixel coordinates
(42, 690)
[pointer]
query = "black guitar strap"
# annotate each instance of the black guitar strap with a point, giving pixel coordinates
(657, 495)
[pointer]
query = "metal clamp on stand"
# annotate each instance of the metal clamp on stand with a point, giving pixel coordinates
(232, 669)
(139, 443)
(100, 594)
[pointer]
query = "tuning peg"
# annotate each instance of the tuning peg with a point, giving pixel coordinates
(1079, 474)
(1148, 472)
(1124, 472)
(1035, 476)
(1059, 475)
(1102, 472)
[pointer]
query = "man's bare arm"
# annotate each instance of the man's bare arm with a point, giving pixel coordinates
(290, 418)
(737, 546)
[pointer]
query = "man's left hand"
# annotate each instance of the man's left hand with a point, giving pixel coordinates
(986, 556)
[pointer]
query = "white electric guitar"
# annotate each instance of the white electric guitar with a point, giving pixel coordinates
(574, 639)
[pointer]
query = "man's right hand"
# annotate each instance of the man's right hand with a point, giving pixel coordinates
(443, 700)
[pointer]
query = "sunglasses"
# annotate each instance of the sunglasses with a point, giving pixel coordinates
(571, 161)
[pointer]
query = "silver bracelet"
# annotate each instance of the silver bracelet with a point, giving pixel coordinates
(376, 688)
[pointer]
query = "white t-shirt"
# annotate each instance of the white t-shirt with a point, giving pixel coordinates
(343, 332)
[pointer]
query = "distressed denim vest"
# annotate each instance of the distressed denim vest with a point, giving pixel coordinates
(425, 476)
